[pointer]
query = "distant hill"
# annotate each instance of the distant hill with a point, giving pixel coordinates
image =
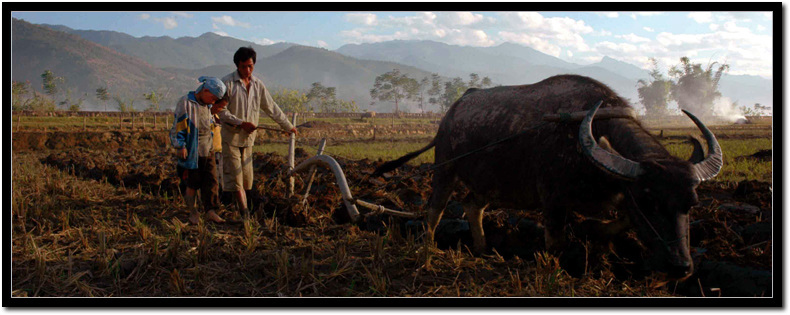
(184, 52)
(85, 66)
(507, 64)
(130, 63)
(623, 69)
(298, 67)
(513, 64)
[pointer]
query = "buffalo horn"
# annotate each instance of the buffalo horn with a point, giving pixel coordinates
(611, 163)
(711, 165)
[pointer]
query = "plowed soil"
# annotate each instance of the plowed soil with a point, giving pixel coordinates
(316, 243)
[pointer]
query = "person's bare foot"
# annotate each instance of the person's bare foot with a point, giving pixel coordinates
(194, 218)
(214, 217)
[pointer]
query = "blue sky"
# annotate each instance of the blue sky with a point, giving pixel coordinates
(744, 40)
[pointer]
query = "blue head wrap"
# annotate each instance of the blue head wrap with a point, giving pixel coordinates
(214, 85)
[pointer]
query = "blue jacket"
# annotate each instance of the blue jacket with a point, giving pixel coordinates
(185, 130)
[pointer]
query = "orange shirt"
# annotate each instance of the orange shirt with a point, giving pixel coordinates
(217, 145)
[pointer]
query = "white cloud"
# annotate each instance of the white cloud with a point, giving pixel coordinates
(601, 32)
(357, 36)
(168, 22)
(450, 27)
(732, 28)
(541, 33)
(263, 41)
(738, 16)
(183, 15)
(633, 38)
(638, 14)
(610, 15)
(649, 13)
(470, 29)
(761, 28)
(367, 19)
(459, 18)
(220, 33)
(230, 21)
(322, 44)
(744, 50)
(535, 42)
(701, 17)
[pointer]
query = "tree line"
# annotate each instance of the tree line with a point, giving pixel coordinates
(692, 86)
(695, 88)
(397, 87)
(318, 99)
(54, 97)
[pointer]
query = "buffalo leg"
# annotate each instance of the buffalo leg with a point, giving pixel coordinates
(604, 230)
(555, 220)
(474, 214)
(443, 185)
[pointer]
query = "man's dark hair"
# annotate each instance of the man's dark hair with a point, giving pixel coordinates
(243, 54)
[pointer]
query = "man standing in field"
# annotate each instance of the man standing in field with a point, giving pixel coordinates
(191, 136)
(247, 97)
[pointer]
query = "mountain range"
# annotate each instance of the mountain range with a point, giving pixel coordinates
(134, 65)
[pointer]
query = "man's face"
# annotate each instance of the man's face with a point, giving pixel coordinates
(245, 68)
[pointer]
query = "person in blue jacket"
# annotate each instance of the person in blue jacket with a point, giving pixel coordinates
(192, 137)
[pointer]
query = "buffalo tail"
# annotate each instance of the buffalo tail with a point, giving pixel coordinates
(391, 165)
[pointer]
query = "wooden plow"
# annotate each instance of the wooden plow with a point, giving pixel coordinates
(351, 203)
(328, 162)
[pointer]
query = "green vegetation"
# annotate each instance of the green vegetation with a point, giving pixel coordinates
(737, 141)
(736, 166)
(694, 89)
(98, 123)
(71, 238)
(654, 94)
(319, 99)
(394, 86)
(103, 95)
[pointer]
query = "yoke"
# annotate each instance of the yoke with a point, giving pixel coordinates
(603, 113)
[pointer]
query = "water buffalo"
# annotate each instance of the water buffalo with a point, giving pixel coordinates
(559, 167)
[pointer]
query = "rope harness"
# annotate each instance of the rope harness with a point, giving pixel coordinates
(636, 208)
(563, 118)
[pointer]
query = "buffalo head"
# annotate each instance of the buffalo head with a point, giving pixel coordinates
(660, 192)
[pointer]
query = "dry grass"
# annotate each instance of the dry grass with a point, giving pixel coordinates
(77, 236)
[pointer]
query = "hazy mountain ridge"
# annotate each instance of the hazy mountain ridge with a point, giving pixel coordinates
(352, 68)
(298, 67)
(84, 64)
(184, 52)
(513, 64)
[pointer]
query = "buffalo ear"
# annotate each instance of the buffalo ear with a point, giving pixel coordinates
(603, 142)
(699, 151)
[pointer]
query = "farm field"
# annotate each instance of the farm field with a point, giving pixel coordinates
(98, 212)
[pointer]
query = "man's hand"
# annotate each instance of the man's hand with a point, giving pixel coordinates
(218, 106)
(248, 127)
(182, 153)
(292, 131)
